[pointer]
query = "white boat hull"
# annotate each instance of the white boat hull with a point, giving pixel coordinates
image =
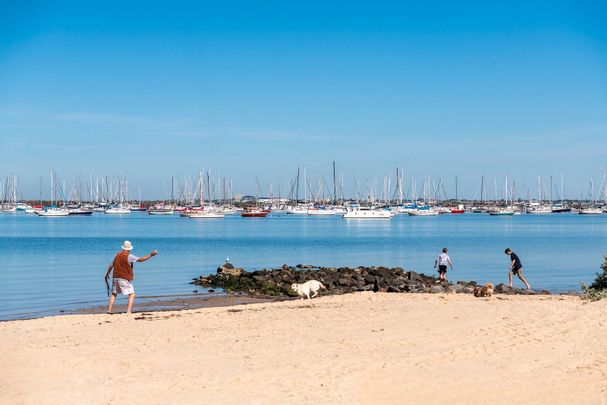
(53, 213)
(591, 211)
(207, 215)
(320, 212)
(117, 211)
(423, 213)
(161, 212)
(367, 214)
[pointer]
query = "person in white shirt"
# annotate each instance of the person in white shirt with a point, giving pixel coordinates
(443, 260)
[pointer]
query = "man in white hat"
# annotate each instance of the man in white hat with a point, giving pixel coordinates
(123, 274)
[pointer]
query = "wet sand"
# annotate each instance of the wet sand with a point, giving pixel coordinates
(180, 303)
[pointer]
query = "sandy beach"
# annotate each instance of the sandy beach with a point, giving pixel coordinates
(357, 348)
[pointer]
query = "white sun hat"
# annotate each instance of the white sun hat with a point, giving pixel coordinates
(127, 245)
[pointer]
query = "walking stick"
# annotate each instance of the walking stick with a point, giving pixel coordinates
(107, 286)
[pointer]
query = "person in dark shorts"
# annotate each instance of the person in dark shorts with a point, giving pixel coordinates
(443, 260)
(516, 267)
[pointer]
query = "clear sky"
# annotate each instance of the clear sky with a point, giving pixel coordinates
(153, 89)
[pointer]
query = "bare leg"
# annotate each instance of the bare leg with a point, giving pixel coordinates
(111, 303)
(129, 304)
(520, 275)
(510, 279)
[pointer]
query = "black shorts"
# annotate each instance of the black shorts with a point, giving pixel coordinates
(442, 268)
(515, 271)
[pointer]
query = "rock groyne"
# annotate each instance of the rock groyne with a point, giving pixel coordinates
(338, 280)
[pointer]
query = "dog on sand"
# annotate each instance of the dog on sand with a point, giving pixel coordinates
(307, 288)
(486, 291)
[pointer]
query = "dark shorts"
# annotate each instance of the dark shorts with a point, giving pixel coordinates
(442, 268)
(516, 271)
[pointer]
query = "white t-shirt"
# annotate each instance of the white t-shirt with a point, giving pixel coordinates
(132, 258)
(443, 259)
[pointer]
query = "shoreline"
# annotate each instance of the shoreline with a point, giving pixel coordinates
(177, 302)
(184, 302)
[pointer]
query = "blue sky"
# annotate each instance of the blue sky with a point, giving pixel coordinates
(151, 90)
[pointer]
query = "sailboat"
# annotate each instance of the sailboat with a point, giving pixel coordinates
(358, 212)
(424, 209)
(503, 211)
(560, 207)
(591, 209)
(537, 208)
(122, 208)
(52, 210)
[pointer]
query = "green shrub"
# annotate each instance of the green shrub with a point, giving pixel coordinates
(598, 289)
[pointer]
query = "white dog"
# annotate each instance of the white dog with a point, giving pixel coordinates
(304, 290)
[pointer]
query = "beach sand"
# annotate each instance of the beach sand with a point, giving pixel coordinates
(358, 348)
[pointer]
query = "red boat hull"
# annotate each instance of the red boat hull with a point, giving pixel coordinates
(254, 214)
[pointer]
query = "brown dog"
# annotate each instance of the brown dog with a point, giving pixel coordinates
(486, 291)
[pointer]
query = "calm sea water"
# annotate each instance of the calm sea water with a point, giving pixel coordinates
(53, 264)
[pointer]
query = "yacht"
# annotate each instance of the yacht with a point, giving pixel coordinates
(357, 212)
(537, 209)
(118, 210)
(254, 213)
(590, 211)
(501, 212)
(204, 214)
(426, 212)
(53, 211)
(320, 210)
(559, 207)
(161, 211)
(297, 210)
(79, 211)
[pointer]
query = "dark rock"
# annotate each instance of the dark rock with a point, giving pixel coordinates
(227, 269)
(503, 289)
(456, 288)
(340, 280)
(346, 282)
(376, 285)
(437, 289)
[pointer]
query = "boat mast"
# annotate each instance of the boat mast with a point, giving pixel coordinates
(297, 188)
(562, 197)
(201, 186)
(334, 186)
(305, 188)
(506, 190)
(209, 185)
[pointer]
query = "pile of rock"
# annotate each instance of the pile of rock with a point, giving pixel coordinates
(340, 280)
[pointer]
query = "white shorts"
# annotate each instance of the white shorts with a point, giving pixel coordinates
(122, 286)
